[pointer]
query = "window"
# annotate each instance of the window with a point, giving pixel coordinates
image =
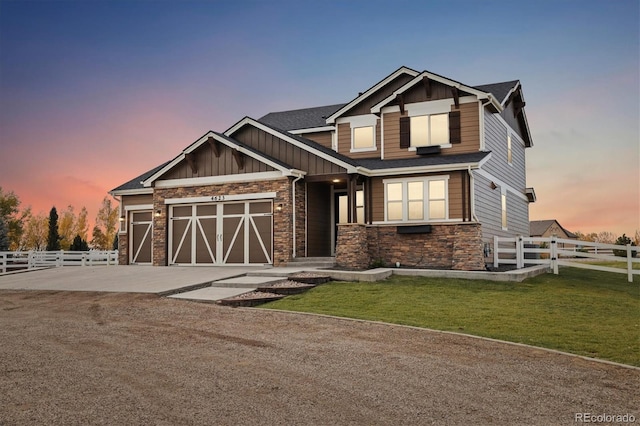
(509, 151)
(430, 130)
(417, 199)
(363, 138)
(343, 207)
(504, 210)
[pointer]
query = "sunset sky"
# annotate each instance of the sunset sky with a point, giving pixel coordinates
(95, 93)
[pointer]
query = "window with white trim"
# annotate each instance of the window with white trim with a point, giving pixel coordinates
(503, 198)
(429, 130)
(416, 199)
(509, 150)
(363, 138)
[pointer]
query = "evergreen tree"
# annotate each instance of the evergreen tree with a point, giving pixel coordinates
(115, 243)
(53, 240)
(79, 244)
(4, 235)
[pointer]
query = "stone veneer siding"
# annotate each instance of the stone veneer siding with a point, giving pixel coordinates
(282, 220)
(123, 249)
(448, 246)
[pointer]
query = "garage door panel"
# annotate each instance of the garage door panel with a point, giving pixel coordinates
(206, 241)
(181, 241)
(233, 239)
(141, 243)
(260, 239)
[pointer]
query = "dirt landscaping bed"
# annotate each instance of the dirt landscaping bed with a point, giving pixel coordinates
(111, 358)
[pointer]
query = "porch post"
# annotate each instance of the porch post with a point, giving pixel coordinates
(352, 216)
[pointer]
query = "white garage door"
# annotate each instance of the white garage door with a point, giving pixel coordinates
(238, 233)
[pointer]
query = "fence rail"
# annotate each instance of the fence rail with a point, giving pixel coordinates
(21, 260)
(521, 251)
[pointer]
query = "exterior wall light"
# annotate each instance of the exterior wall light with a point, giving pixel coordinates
(279, 207)
(158, 213)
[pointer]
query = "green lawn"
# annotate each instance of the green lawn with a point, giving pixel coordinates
(591, 313)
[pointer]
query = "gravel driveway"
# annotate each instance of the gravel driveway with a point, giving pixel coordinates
(110, 358)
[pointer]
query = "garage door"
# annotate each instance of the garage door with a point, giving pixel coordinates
(238, 233)
(141, 227)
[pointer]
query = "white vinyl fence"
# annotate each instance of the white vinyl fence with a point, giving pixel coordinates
(555, 252)
(20, 260)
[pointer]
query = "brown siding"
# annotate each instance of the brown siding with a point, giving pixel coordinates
(455, 194)
(210, 165)
(469, 130)
(133, 200)
(286, 152)
(344, 142)
(323, 138)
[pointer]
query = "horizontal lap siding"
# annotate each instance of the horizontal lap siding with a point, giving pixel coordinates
(323, 138)
(496, 142)
(455, 194)
(469, 132)
(286, 152)
(133, 200)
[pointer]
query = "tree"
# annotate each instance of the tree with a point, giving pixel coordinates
(623, 241)
(35, 233)
(606, 237)
(4, 235)
(9, 211)
(82, 226)
(105, 229)
(53, 240)
(79, 244)
(66, 228)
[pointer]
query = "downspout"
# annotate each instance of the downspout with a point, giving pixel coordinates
(472, 197)
(293, 187)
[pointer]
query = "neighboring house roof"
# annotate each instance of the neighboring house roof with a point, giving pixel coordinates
(297, 119)
(539, 227)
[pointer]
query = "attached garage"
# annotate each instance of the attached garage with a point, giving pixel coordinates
(221, 233)
(141, 235)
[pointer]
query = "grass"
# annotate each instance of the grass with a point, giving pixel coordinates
(590, 313)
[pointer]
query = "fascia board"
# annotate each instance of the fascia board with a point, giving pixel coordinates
(402, 70)
(138, 191)
(284, 136)
(419, 169)
(312, 130)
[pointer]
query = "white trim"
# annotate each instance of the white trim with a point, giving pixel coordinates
(221, 198)
(477, 93)
(217, 180)
(402, 70)
(440, 106)
(293, 141)
(423, 169)
(312, 130)
(502, 184)
(511, 91)
(481, 122)
(138, 191)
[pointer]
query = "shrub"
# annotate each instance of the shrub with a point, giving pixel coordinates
(623, 241)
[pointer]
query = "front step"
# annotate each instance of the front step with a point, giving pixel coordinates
(312, 262)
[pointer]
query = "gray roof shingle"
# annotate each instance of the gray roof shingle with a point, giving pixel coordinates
(499, 90)
(306, 118)
(423, 161)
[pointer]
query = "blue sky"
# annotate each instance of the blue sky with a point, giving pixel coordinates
(94, 93)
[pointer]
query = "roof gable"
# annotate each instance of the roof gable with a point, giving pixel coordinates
(372, 90)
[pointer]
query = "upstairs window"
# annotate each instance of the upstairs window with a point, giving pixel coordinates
(363, 138)
(509, 150)
(429, 130)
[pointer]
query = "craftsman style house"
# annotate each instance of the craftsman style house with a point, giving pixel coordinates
(419, 170)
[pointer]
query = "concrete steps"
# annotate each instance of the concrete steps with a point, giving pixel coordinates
(312, 262)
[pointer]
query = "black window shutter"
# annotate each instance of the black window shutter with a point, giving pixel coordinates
(454, 127)
(405, 132)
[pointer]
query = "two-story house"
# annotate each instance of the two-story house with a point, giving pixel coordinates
(418, 170)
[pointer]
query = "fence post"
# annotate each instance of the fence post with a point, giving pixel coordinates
(3, 263)
(629, 264)
(554, 255)
(519, 252)
(496, 258)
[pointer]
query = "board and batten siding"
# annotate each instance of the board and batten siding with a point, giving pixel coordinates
(454, 189)
(209, 165)
(469, 133)
(286, 152)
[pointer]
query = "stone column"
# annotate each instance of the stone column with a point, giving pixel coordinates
(352, 251)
